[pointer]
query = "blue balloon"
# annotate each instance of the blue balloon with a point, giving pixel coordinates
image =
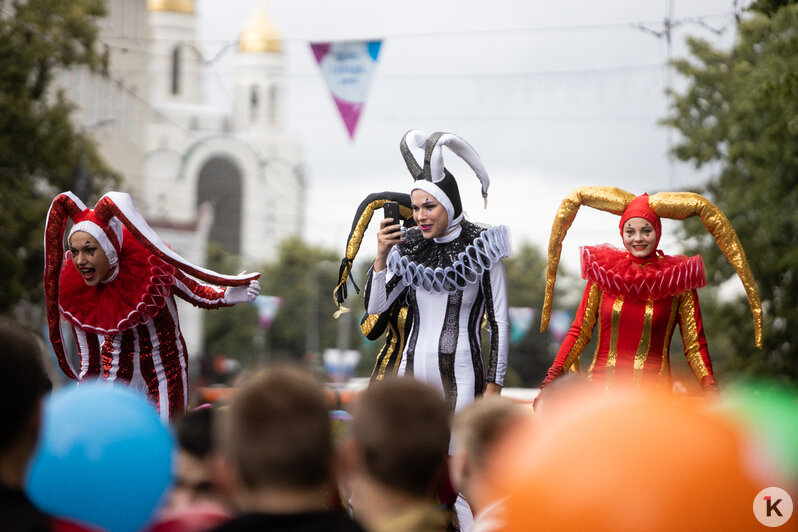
(104, 458)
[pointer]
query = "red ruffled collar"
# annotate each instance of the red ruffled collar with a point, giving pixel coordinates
(135, 296)
(620, 274)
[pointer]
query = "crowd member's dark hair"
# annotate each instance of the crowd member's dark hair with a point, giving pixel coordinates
(401, 426)
(194, 431)
(23, 381)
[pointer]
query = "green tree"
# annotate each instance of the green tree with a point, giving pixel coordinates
(40, 149)
(229, 331)
(526, 283)
(303, 276)
(739, 114)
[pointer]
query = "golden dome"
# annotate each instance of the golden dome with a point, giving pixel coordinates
(260, 35)
(175, 6)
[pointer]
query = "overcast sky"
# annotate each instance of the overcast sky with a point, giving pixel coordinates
(553, 94)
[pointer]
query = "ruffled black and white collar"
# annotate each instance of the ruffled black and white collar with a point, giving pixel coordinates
(452, 266)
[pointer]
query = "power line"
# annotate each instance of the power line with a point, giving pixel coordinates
(699, 20)
(452, 75)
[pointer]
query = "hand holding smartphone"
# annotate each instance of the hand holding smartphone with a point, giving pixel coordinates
(391, 210)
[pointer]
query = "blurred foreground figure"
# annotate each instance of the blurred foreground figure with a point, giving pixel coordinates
(476, 431)
(628, 462)
(23, 385)
(395, 456)
(195, 503)
(276, 455)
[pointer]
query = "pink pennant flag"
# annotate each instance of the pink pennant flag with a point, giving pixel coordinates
(347, 67)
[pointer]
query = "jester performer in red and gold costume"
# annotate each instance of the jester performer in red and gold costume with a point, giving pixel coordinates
(116, 287)
(637, 296)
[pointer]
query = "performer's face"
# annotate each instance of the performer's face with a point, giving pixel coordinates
(639, 237)
(89, 258)
(429, 214)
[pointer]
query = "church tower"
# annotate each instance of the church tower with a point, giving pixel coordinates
(240, 160)
(176, 63)
(258, 77)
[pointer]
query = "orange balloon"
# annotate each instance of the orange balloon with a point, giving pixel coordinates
(627, 462)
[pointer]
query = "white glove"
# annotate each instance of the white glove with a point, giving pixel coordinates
(242, 294)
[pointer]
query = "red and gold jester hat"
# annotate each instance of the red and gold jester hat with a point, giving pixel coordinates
(104, 223)
(673, 205)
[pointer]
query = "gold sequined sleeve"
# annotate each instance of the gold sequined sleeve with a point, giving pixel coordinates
(581, 330)
(695, 343)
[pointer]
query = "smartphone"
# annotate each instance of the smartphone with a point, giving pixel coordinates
(391, 209)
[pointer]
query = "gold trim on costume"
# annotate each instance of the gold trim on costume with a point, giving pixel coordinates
(665, 368)
(598, 338)
(588, 322)
(690, 335)
(612, 356)
(645, 341)
(681, 205)
(368, 324)
(609, 199)
(397, 338)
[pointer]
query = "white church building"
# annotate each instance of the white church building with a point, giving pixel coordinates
(198, 173)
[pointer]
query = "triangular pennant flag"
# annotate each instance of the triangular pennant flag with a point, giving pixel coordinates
(347, 67)
(267, 309)
(520, 322)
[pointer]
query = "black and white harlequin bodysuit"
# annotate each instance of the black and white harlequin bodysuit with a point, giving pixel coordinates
(452, 282)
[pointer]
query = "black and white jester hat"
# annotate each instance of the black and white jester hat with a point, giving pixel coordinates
(433, 177)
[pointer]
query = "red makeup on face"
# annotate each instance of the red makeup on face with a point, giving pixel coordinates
(89, 258)
(429, 214)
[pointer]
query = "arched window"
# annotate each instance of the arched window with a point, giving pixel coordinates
(176, 70)
(220, 184)
(253, 103)
(273, 104)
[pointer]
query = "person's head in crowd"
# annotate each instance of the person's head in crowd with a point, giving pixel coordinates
(476, 430)
(396, 452)
(23, 386)
(194, 482)
(275, 444)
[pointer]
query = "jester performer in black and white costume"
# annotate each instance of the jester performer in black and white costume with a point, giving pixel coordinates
(454, 274)
(392, 324)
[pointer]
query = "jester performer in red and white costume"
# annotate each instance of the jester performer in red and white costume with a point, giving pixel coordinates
(637, 296)
(118, 282)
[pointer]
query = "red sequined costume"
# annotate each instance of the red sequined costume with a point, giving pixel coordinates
(134, 309)
(136, 315)
(636, 302)
(636, 305)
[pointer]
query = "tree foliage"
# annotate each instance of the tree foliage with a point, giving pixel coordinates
(40, 149)
(526, 284)
(303, 277)
(739, 114)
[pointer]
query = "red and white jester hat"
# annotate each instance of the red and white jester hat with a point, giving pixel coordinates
(104, 223)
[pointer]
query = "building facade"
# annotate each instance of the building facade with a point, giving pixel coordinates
(199, 173)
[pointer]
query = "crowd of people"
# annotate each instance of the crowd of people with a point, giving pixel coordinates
(431, 444)
(267, 459)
